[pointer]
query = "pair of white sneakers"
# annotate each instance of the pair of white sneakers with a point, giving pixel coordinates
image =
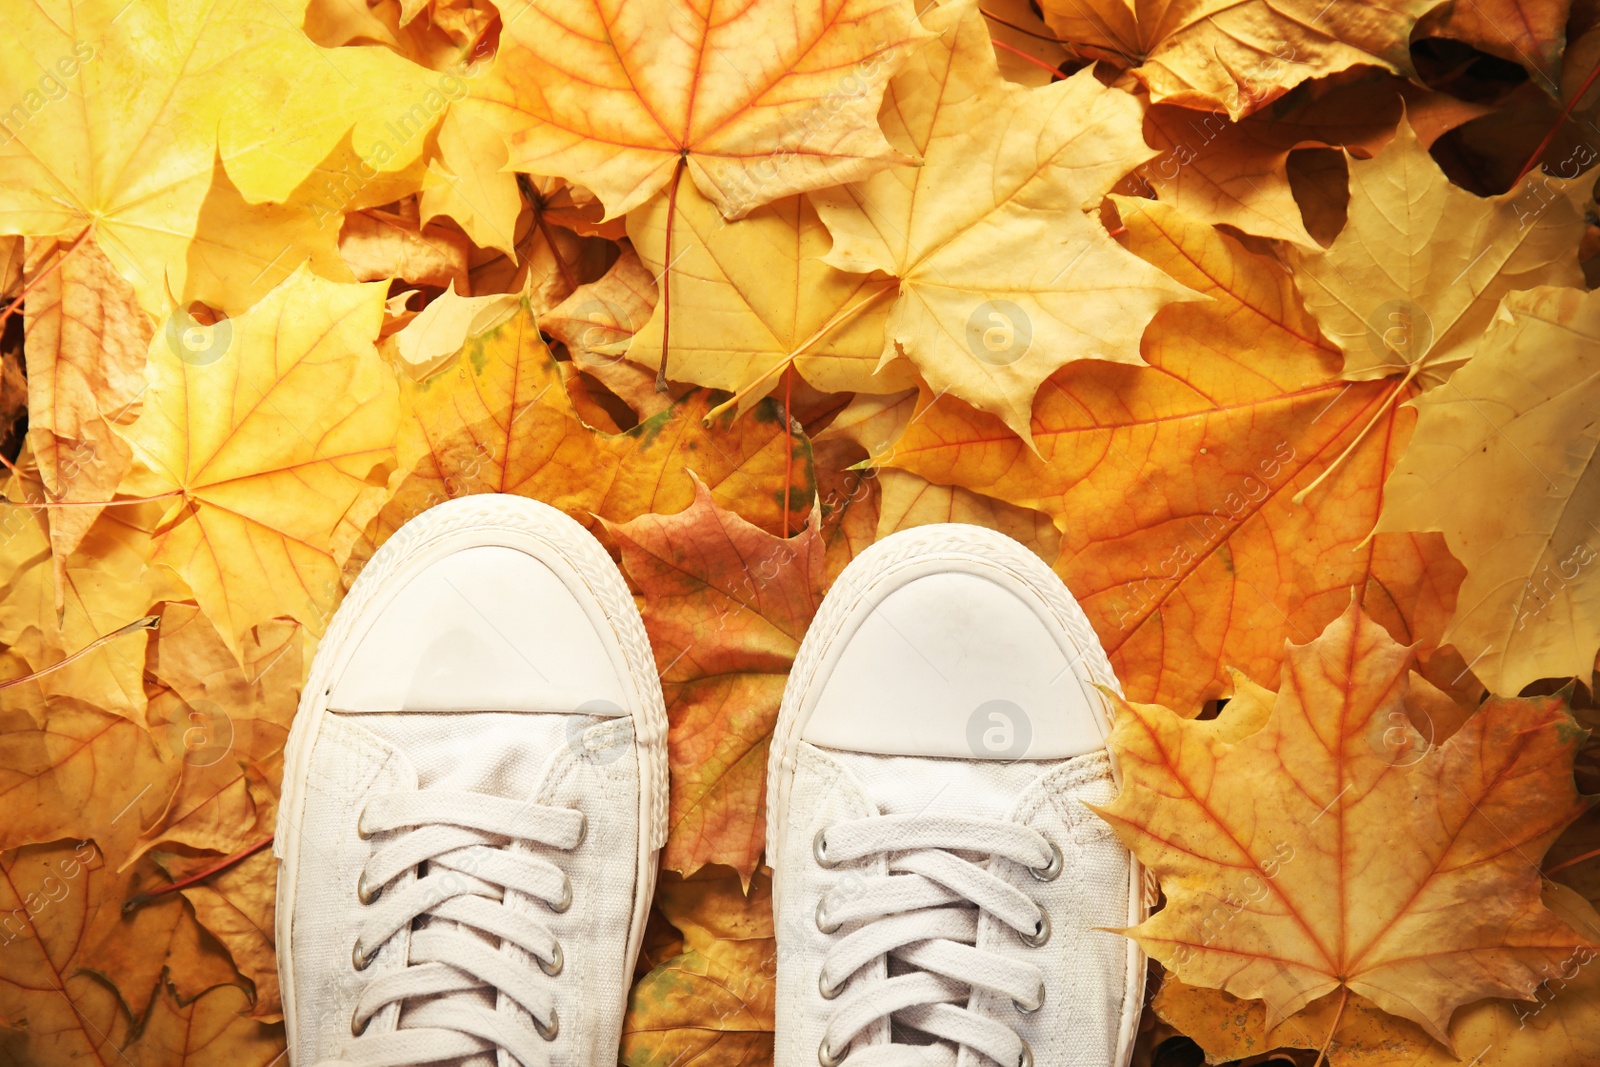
(475, 796)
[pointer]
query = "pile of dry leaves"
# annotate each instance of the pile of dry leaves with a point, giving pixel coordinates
(1265, 322)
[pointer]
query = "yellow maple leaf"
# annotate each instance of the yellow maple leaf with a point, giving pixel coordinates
(1503, 463)
(276, 437)
(1410, 284)
(1317, 841)
(70, 769)
(121, 108)
(714, 1001)
(100, 588)
(750, 298)
(1002, 275)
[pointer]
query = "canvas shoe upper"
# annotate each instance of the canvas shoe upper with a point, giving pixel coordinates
(940, 889)
(474, 800)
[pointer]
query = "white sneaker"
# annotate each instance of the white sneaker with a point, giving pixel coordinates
(474, 799)
(939, 886)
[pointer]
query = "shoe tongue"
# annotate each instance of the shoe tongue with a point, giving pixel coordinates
(504, 754)
(912, 785)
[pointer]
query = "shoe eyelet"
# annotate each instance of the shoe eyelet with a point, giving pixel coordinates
(827, 1058)
(559, 906)
(828, 991)
(819, 849)
(1026, 1059)
(548, 1032)
(1038, 1002)
(1041, 932)
(1050, 871)
(364, 894)
(358, 958)
(557, 960)
(822, 919)
(583, 829)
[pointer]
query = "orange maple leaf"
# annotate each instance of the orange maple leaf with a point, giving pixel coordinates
(1174, 485)
(1317, 841)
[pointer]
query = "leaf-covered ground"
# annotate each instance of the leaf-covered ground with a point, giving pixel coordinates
(1267, 324)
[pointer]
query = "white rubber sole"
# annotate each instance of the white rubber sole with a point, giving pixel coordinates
(570, 551)
(883, 567)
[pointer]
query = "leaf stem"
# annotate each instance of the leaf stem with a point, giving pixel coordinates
(134, 903)
(1573, 862)
(992, 17)
(799, 350)
(1300, 497)
(537, 204)
(788, 442)
(666, 276)
(1344, 995)
(555, 249)
(86, 503)
(1555, 128)
(149, 622)
(1025, 57)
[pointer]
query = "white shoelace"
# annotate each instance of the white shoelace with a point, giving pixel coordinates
(452, 963)
(924, 913)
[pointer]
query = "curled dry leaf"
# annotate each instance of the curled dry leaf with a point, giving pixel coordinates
(86, 344)
(1239, 173)
(1236, 57)
(236, 907)
(598, 321)
(1316, 841)
(383, 245)
(1530, 32)
(225, 722)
